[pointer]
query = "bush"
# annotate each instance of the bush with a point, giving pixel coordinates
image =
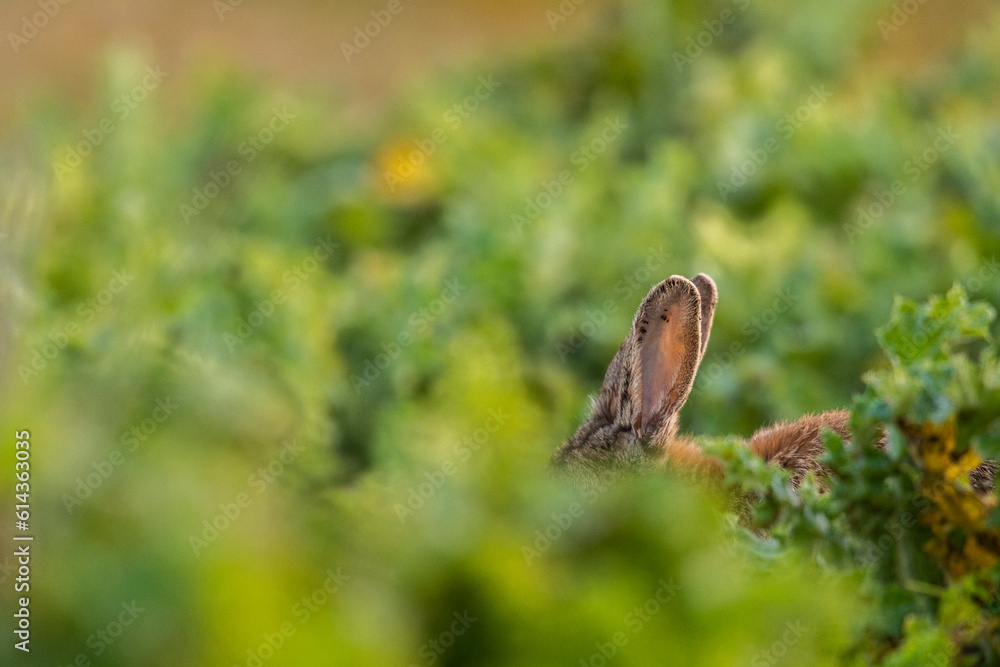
(292, 392)
(907, 516)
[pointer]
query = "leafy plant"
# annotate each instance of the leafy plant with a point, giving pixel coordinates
(900, 505)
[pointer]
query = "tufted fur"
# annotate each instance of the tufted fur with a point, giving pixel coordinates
(633, 423)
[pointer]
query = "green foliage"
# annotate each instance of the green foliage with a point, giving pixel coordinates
(927, 382)
(359, 446)
(903, 513)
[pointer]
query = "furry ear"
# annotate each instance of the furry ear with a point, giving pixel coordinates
(615, 399)
(709, 297)
(668, 348)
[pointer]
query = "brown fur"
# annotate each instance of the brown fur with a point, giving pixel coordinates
(633, 423)
(797, 445)
(983, 477)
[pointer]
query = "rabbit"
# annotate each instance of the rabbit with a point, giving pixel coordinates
(633, 422)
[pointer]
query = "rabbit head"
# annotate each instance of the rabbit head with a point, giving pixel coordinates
(633, 422)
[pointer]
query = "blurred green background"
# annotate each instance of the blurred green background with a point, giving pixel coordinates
(296, 313)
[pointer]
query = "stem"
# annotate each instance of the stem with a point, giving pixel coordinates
(924, 588)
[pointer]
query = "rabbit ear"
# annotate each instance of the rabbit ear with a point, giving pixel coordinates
(668, 347)
(709, 297)
(615, 400)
